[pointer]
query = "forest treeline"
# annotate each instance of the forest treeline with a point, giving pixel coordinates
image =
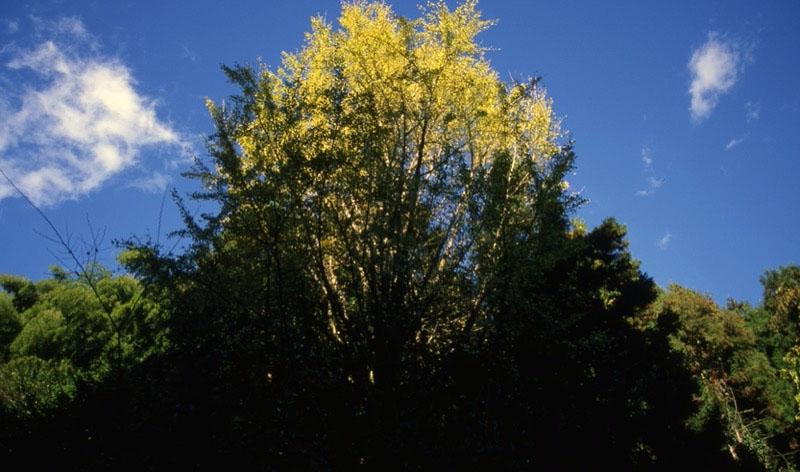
(606, 364)
(390, 276)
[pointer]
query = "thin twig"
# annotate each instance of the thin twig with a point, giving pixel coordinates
(160, 214)
(81, 267)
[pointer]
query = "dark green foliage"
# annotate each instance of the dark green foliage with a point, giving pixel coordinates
(33, 387)
(740, 395)
(23, 290)
(70, 361)
(777, 320)
(229, 358)
(10, 324)
(41, 335)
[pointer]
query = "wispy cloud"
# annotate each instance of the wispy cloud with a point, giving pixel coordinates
(69, 29)
(664, 241)
(153, 183)
(714, 67)
(10, 26)
(752, 111)
(653, 183)
(189, 53)
(80, 123)
(646, 153)
(733, 143)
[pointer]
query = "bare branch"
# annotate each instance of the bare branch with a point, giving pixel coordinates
(81, 268)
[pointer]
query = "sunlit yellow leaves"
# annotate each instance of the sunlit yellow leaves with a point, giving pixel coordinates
(788, 301)
(424, 84)
(792, 359)
(382, 142)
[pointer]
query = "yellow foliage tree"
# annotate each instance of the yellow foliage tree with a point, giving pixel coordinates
(389, 159)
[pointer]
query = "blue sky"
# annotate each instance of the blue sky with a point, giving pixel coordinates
(686, 117)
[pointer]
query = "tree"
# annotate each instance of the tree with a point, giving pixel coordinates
(741, 402)
(778, 319)
(10, 324)
(68, 359)
(373, 195)
(792, 371)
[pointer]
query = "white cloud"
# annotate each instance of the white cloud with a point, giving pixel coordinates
(733, 143)
(664, 241)
(79, 126)
(714, 67)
